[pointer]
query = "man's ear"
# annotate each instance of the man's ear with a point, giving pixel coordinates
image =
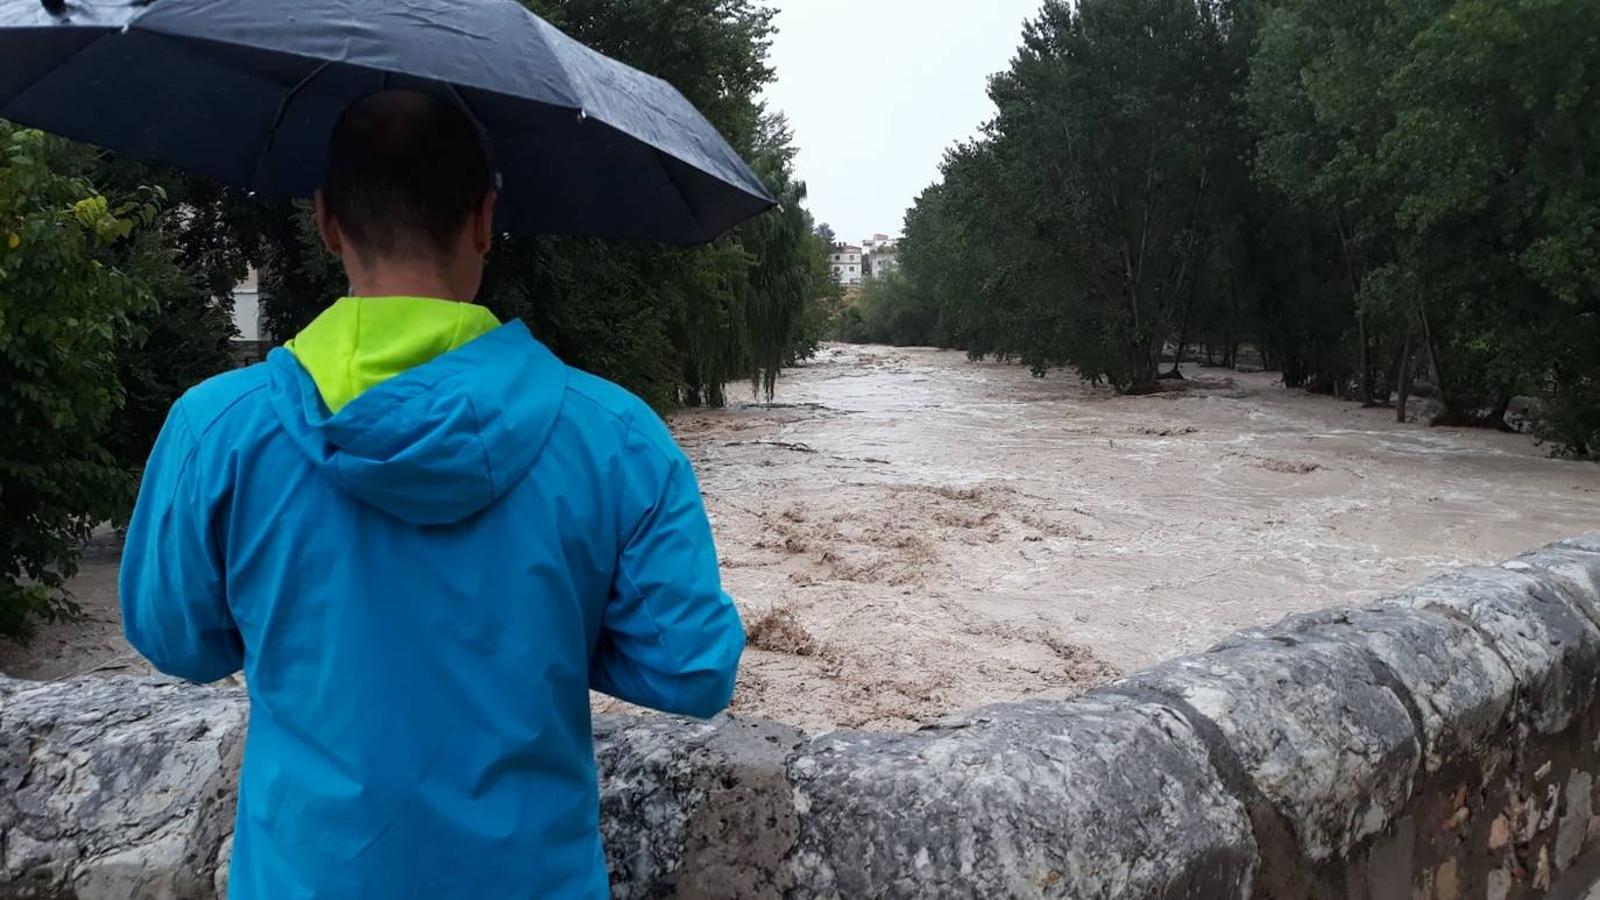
(483, 224)
(327, 227)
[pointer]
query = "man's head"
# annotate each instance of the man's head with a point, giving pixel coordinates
(409, 199)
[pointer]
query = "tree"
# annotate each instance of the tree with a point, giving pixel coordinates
(184, 337)
(1439, 140)
(789, 286)
(1373, 194)
(1085, 228)
(1493, 138)
(78, 273)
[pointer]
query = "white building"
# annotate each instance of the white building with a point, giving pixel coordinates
(247, 308)
(881, 255)
(848, 264)
(883, 260)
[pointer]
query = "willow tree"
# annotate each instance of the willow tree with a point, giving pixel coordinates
(788, 280)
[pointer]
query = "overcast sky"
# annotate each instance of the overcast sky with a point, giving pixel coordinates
(877, 89)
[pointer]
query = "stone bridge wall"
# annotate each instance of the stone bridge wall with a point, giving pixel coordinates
(1443, 743)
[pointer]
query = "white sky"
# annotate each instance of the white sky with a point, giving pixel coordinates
(876, 90)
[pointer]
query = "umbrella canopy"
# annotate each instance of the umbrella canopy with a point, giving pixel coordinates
(248, 91)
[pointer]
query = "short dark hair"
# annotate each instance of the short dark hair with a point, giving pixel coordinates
(405, 169)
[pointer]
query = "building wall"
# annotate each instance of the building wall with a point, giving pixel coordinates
(848, 263)
(876, 242)
(247, 308)
(882, 262)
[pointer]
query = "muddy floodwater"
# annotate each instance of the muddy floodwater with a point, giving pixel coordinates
(909, 533)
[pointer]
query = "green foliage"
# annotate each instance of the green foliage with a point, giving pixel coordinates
(677, 326)
(184, 337)
(788, 286)
(77, 273)
(890, 310)
(1445, 143)
(1368, 192)
(1081, 230)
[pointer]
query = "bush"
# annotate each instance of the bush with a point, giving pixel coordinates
(74, 269)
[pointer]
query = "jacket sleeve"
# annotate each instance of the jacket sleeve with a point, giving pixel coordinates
(670, 638)
(172, 584)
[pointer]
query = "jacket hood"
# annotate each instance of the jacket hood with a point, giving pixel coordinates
(438, 442)
(359, 343)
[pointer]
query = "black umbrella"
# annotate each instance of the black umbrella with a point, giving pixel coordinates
(247, 91)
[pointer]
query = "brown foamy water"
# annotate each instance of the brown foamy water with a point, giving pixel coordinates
(946, 533)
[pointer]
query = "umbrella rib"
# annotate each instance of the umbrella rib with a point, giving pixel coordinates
(683, 195)
(277, 120)
(466, 108)
(484, 138)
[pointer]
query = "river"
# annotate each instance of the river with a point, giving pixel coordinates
(909, 533)
(921, 533)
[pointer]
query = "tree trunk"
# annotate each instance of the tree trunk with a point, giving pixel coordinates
(1433, 356)
(1403, 377)
(1363, 360)
(1183, 343)
(1144, 375)
(1497, 415)
(1361, 316)
(1230, 359)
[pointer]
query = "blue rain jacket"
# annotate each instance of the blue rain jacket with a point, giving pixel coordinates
(421, 591)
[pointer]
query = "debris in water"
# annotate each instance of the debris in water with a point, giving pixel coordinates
(781, 445)
(1169, 431)
(778, 630)
(1289, 467)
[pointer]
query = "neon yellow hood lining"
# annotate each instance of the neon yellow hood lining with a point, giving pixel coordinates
(359, 343)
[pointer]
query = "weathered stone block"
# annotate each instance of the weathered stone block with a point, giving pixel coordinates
(1589, 543)
(1316, 732)
(1097, 798)
(1572, 571)
(1458, 685)
(1440, 743)
(696, 810)
(1550, 645)
(117, 787)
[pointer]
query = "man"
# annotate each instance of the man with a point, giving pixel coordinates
(423, 539)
